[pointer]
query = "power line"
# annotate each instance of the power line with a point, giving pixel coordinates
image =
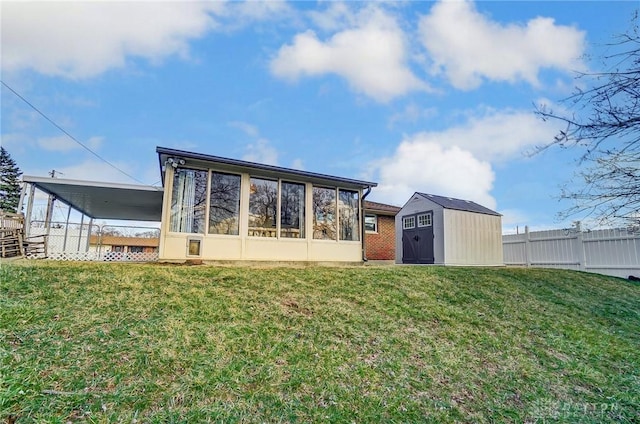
(69, 135)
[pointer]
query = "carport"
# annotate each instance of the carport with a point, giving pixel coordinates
(93, 200)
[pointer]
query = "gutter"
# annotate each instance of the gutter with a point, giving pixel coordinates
(364, 253)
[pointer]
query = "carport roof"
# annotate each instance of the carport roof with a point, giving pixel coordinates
(102, 200)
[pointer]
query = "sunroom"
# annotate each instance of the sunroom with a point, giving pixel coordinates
(220, 209)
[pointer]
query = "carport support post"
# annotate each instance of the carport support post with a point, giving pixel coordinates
(23, 191)
(27, 220)
(89, 233)
(80, 232)
(49, 216)
(66, 230)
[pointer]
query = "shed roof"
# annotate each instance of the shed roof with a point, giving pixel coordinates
(458, 204)
(235, 165)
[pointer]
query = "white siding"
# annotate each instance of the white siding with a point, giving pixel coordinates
(472, 238)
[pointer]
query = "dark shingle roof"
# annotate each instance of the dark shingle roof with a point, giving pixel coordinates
(458, 204)
(381, 208)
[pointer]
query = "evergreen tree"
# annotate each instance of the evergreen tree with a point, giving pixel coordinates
(9, 182)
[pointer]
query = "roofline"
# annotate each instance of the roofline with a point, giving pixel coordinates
(259, 166)
(427, 196)
(43, 180)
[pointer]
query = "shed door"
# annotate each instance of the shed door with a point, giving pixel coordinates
(417, 238)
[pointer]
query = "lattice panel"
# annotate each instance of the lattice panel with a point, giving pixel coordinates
(130, 256)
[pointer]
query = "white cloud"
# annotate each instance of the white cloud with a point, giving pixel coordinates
(261, 152)
(246, 128)
(62, 143)
(335, 17)
(412, 113)
(458, 161)
(371, 56)
(431, 168)
(245, 12)
(469, 47)
(494, 135)
(84, 39)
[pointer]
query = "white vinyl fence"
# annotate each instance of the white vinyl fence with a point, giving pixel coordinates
(614, 252)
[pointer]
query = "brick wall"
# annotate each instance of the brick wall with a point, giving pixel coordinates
(382, 245)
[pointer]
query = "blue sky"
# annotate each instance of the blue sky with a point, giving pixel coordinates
(436, 97)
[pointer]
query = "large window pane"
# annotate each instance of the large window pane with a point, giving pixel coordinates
(324, 213)
(292, 210)
(349, 215)
(263, 207)
(224, 204)
(188, 201)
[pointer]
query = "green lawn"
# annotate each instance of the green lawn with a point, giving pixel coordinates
(160, 343)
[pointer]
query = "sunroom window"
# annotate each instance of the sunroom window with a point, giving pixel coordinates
(324, 213)
(224, 209)
(188, 201)
(349, 215)
(263, 207)
(292, 210)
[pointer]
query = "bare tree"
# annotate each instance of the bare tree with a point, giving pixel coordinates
(603, 120)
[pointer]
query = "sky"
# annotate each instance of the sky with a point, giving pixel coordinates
(428, 96)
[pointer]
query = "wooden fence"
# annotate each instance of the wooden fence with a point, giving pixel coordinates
(613, 252)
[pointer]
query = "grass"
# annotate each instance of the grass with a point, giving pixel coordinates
(158, 343)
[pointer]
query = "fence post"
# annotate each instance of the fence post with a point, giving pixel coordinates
(580, 248)
(527, 246)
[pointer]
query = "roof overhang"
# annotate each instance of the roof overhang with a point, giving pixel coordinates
(198, 160)
(102, 200)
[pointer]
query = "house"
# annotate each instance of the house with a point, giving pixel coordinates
(212, 208)
(224, 209)
(442, 230)
(380, 230)
(123, 244)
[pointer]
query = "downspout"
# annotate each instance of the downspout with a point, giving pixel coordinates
(364, 253)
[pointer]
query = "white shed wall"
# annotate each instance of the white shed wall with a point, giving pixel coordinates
(472, 238)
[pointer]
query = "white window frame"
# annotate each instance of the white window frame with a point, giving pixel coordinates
(375, 222)
(426, 224)
(406, 220)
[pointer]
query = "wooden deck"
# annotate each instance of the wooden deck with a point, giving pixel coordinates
(14, 243)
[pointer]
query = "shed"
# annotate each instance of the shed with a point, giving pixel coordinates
(442, 230)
